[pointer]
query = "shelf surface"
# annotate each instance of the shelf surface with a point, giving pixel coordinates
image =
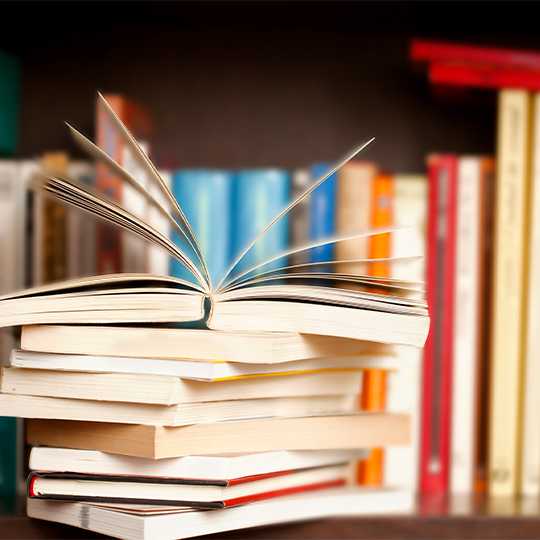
(433, 517)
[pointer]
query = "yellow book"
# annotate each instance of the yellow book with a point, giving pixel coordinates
(510, 251)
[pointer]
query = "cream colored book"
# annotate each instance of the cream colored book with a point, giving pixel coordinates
(349, 431)
(166, 390)
(530, 449)
(183, 414)
(200, 370)
(179, 343)
(286, 299)
(510, 251)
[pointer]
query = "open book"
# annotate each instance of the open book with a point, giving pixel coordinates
(286, 299)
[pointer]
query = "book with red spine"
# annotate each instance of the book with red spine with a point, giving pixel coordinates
(422, 51)
(110, 240)
(482, 76)
(437, 366)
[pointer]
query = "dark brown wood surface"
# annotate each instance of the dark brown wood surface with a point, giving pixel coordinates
(458, 517)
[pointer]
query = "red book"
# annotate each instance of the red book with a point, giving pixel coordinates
(482, 76)
(436, 51)
(437, 367)
(139, 122)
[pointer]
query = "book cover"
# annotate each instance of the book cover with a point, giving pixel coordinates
(437, 363)
(510, 266)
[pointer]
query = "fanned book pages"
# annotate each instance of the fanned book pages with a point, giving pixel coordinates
(286, 299)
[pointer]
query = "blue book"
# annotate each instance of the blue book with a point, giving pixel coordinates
(10, 77)
(260, 195)
(322, 220)
(205, 198)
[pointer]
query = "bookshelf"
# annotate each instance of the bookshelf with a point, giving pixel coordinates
(247, 84)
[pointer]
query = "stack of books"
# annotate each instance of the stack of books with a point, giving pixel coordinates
(147, 429)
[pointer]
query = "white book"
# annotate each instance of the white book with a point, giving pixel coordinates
(466, 328)
(191, 369)
(530, 449)
(215, 467)
(184, 414)
(337, 502)
(403, 385)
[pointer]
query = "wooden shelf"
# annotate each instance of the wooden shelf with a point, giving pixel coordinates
(441, 518)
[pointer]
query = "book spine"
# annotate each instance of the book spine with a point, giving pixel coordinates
(299, 220)
(54, 228)
(482, 76)
(403, 385)
(466, 331)
(259, 197)
(205, 198)
(437, 365)
(109, 246)
(354, 213)
(158, 258)
(374, 381)
(486, 210)
(508, 290)
(322, 219)
(530, 464)
(10, 83)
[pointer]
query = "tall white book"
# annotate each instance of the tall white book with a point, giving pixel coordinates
(403, 385)
(466, 331)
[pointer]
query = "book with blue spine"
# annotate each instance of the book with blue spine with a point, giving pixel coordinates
(205, 197)
(10, 82)
(322, 222)
(260, 195)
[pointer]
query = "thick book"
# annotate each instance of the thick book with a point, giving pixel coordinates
(224, 467)
(208, 370)
(437, 366)
(349, 431)
(168, 390)
(509, 292)
(169, 343)
(133, 525)
(189, 492)
(301, 302)
(184, 414)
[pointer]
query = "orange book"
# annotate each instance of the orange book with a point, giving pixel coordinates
(370, 471)
(111, 248)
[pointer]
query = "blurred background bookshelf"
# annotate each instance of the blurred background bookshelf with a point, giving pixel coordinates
(284, 85)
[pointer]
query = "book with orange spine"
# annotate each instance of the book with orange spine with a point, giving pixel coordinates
(370, 471)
